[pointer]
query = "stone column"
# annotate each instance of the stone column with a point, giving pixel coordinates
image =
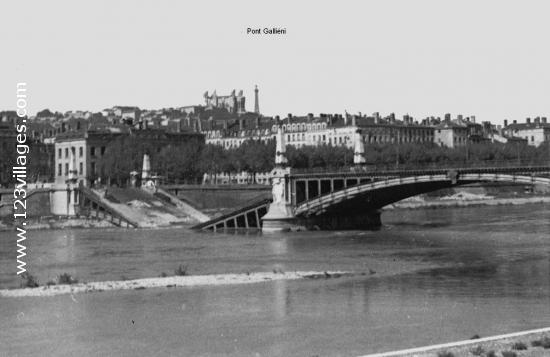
(146, 168)
(359, 149)
(72, 189)
(146, 179)
(280, 149)
(280, 214)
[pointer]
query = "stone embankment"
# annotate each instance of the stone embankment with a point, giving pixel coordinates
(532, 343)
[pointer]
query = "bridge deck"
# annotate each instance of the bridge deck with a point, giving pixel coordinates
(388, 190)
(92, 205)
(247, 216)
(364, 172)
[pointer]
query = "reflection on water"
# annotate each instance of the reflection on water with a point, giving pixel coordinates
(483, 271)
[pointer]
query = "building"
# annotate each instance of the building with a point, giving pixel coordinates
(234, 104)
(452, 133)
(81, 154)
(126, 113)
(535, 132)
(325, 129)
(376, 130)
(231, 132)
(84, 150)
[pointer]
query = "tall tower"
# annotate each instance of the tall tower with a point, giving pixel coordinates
(256, 101)
(280, 148)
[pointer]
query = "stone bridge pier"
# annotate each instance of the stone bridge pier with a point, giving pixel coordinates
(280, 214)
(288, 192)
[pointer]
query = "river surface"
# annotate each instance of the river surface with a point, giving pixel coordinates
(433, 276)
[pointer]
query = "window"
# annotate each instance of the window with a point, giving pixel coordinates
(93, 168)
(532, 138)
(66, 169)
(80, 169)
(80, 151)
(92, 151)
(66, 152)
(59, 153)
(59, 169)
(102, 150)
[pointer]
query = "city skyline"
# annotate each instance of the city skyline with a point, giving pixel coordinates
(442, 116)
(422, 59)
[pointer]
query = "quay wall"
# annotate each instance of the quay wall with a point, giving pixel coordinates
(40, 202)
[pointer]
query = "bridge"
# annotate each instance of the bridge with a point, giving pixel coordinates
(352, 198)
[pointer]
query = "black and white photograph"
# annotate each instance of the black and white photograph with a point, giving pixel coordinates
(355, 178)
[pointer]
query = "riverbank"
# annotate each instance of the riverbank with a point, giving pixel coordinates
(532, 343)
(466, 200)
(60, 223)
(170, 282)
(77, 223)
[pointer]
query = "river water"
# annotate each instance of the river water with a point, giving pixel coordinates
(433, 275)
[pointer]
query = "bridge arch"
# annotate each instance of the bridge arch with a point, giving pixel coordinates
(377, 194)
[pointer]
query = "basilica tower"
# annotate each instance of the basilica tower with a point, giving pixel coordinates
(256, 101)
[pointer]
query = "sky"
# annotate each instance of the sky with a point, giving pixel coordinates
(485, 58)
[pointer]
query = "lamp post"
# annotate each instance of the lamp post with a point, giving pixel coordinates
(396, 137)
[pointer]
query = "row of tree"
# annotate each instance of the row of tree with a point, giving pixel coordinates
(176, 163)
(431, 155)
(259, 157)
(187, 162)
(39, 162)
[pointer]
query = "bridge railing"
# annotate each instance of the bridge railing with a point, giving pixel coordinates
(426, 166)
